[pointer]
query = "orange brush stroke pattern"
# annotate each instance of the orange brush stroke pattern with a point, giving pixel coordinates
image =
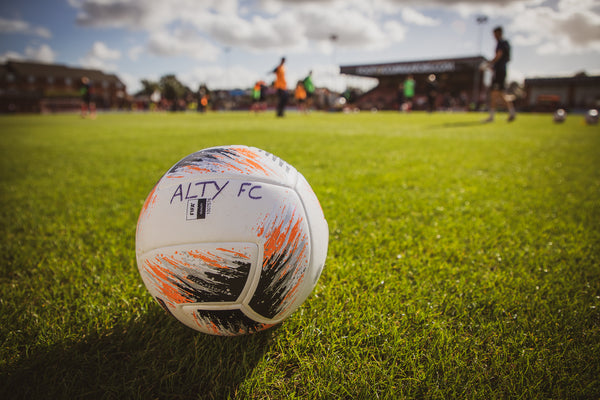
(282, 234)
(195, 168)
(235, 253)
(251, 159)
(209, 258)
(148, 204)
(163, 277)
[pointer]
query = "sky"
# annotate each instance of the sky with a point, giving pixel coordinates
(233, 43)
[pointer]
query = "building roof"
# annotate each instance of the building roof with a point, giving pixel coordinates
(57, 71)
(414, 67)
(564, 80)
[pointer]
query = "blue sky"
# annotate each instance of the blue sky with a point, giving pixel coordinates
(233, 43)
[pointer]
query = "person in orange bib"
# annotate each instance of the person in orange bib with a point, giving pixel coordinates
(281, 86)
(300, 96)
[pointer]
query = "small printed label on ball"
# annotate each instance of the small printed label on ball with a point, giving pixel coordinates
(197, 209)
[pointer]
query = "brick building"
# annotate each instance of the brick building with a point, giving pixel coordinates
(578, 92)
(37, 87)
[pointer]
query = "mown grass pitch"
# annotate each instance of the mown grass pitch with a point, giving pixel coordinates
(464, 260)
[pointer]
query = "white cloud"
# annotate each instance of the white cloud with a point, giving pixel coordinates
(290, 27)
(11, 55)
(17, 26)
(118, 13)
(100, 50)
(100, 56)
(412, 16)
(293, 24)
(200, 30)
(181, 42)
(135, 52)
(42, 53)
(559, 31)
(217, 77)
(132, 82)
(351, 27)
(395, 30)
(281, 32)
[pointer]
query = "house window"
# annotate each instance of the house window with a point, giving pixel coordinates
(50, 80)
(68, 81)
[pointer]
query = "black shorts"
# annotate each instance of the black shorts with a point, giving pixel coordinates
(499, 79)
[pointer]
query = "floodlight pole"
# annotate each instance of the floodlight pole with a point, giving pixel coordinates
(227, 51)
(481, 20)
(333, 37)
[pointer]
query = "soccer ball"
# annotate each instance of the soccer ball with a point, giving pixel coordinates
(231, 240)
(560, 115)
(591, 117)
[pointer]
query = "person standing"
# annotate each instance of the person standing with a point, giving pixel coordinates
(409, 92)
(88, 107)
(300, 97)
(258, 97)
(309, 87)
(202, 99)
(498, 66)
(400, 96)
(281, 87)
(432, 92)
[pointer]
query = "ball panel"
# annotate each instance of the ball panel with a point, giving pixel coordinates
(285, 235)
(226, 322)
(195, 273)
(220, 210)
(234, 161)
(319, 230)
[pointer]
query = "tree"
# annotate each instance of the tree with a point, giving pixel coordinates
(148, 87)
(172, 89)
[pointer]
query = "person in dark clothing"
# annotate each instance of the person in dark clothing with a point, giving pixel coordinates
(498, 66)
(281, 86)
(432, 92)
(88, 107)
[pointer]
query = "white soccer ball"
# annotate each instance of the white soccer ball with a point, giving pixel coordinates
(231, 240)
(560, 115)
(591, 117)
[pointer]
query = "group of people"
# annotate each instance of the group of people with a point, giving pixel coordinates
(305, 88)
(303, 93)
(406, 92)
(498, 65)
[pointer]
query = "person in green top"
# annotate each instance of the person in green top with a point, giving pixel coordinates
(309, 87)
(258, 97)
(409, 92)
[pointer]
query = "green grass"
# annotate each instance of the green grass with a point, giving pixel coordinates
(464, 260)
